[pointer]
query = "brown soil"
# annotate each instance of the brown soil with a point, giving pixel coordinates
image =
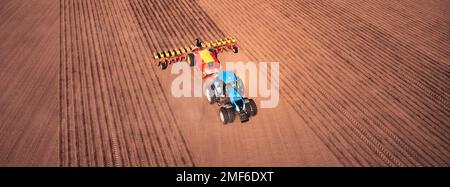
(362, 83)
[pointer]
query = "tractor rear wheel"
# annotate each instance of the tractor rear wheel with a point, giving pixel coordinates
(230, 115)
(253, 109)
(191, 59)
(223, 114)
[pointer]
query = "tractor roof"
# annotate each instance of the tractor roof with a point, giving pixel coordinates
(227, 76)
(234, 95)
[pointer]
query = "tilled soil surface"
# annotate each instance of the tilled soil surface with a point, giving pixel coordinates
(362, 83)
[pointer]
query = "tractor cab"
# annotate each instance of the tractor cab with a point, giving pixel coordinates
(227, 84)
(228, 90)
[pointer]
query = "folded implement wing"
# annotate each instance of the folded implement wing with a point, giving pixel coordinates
(166, 57)
(222, 45)
(169, 56)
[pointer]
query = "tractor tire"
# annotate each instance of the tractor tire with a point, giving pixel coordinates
(210, 96)
(163, 65)
(235, 49)
(223, 114)
(253, 109)
(231, 115)
(213, 52)
(191, 59)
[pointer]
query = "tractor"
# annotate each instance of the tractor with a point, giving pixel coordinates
(227, 90)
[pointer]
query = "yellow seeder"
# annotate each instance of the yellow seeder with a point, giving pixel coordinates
(165, 57)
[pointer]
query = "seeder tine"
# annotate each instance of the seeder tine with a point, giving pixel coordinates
(183, 50)
(177, 52)
(155, 56)
(172, 53)
(233, 39)
(228, 40)
(188, 49)
(166, 54)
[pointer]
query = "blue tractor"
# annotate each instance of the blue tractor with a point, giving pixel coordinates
(227, 91)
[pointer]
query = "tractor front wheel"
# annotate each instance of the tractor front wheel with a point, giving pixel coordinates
(223, 114)
(230, 115)
(210, 95)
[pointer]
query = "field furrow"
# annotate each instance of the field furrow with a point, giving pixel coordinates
(361, 83)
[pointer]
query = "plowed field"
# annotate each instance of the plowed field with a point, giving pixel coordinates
(362, 83)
